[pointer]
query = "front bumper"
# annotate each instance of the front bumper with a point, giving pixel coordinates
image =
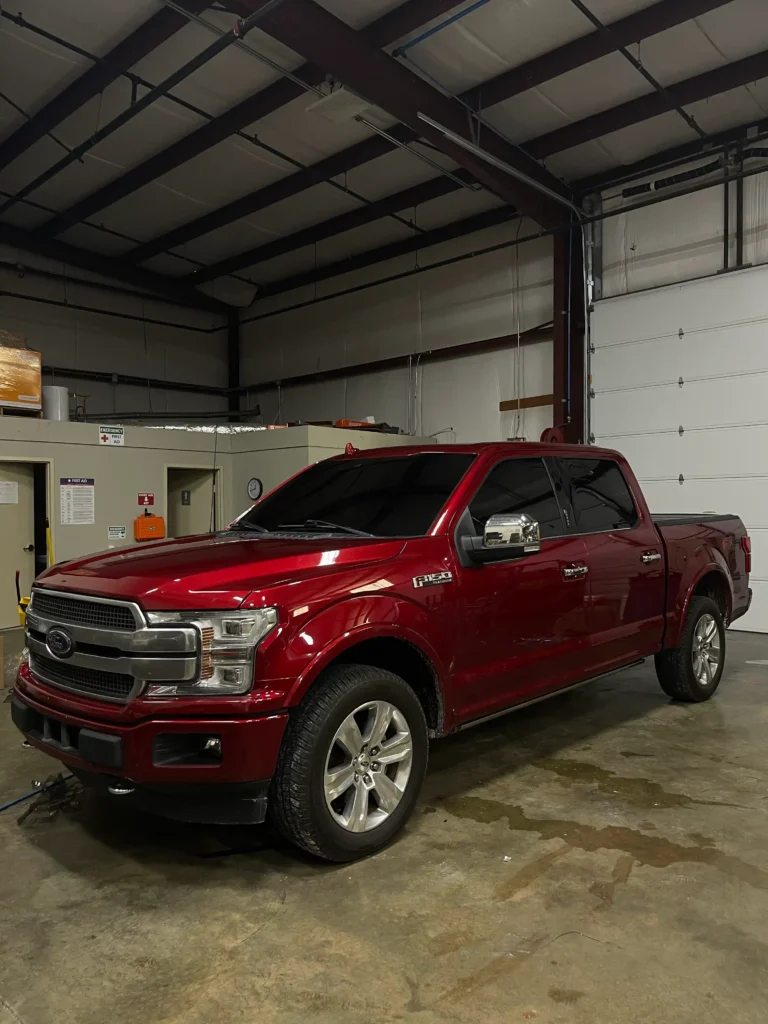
(124, 757)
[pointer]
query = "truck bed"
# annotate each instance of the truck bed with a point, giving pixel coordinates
(695, 519)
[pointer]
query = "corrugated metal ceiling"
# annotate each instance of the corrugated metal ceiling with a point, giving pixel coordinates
(491, 39)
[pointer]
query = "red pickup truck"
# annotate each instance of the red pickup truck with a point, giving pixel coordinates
(296, 664)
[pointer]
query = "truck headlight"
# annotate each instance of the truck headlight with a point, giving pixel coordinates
(228, 642)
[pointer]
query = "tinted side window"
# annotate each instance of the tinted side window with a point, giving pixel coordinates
(519, 485)
(600, 496)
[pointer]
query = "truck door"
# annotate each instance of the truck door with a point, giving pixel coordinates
(624, 559)
(523, 621)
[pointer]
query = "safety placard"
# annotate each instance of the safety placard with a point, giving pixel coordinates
(146, 498)
(77, 497)
(9, 492)
(114, 436)
(117, 533)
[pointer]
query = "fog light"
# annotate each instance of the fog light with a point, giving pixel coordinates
(185, 748)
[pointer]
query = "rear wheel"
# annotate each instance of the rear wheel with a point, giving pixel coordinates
(351, 764)
(692, 671)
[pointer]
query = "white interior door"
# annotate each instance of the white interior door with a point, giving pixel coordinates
(17, 532)
(680, 376)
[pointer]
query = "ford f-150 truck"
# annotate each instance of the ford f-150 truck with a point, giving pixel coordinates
(296, 664)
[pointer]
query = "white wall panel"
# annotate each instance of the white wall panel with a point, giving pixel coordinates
(466, 301)
(80, 340)
(682, 238)
(673, 241)
(456, 399)
(711, 333)
(472, 300)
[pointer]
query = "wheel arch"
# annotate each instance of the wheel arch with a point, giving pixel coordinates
(715, 585)
(712, 580)
(393, 650)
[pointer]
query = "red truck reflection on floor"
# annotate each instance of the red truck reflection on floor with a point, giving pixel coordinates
(296, 664)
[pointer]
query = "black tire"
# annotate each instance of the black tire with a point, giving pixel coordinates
(297, 803)
(674, 667)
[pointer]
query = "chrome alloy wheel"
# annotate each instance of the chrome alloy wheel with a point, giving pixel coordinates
(706, 650)
(368, 766)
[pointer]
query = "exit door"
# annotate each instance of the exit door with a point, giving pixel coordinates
(17, 533)
(191, 502)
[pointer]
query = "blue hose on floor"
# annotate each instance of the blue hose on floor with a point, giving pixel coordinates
(27, 796)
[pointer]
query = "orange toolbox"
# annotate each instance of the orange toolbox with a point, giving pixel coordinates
(149, 527)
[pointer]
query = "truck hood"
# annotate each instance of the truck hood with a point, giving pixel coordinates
(212, 571)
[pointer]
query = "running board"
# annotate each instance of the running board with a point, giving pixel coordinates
(544, 696)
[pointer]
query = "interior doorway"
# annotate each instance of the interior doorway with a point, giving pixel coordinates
(192, 501)
(23, 524)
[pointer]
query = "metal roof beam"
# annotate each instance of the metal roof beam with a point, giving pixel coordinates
(330, 43)
(143, 40)
(165, 287)
(361, 153)
(640, 25)
(457, 229)
(649, 22)
(690, 90)
(403, 200)
(387, 29)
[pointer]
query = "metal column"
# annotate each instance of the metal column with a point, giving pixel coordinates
(568, 336)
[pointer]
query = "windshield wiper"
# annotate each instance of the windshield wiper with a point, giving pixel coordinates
(323, 524)
(249, 526)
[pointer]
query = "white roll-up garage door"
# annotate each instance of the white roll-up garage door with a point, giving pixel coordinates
(680, 379)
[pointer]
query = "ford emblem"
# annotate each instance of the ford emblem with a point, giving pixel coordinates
(60, 643)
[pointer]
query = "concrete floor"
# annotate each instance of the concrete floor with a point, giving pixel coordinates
(600, 858)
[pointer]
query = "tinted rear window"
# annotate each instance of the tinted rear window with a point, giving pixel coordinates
(399, 496)
(600, 495)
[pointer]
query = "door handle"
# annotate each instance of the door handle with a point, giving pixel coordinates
(571, 572)
(29, 547)
(651, 556)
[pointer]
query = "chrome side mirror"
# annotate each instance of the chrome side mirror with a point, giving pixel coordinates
(505, 536)
(512, 531)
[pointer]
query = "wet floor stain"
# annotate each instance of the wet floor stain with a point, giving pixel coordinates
(569, 996)
(622, 869)
(495, 969)
(700, 840)
(634, 790)
(528, 874)
(449, 942)
(653, 851)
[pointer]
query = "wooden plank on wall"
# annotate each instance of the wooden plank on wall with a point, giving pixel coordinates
(534, 402)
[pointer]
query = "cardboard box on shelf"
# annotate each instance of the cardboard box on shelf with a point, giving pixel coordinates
(20, 379)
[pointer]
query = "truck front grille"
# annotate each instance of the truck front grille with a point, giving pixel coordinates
(83, 612)
(89, 681)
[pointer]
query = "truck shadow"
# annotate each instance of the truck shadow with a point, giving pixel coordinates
(99, 832)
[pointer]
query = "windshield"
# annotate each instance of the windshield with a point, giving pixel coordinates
(399, 496)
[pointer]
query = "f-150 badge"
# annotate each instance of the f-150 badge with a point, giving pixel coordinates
(433, 579)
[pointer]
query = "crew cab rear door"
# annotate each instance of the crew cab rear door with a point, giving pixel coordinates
(624, 557)
(523, 622)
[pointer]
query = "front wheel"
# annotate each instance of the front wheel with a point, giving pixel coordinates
(351, 764)
(692, 671)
